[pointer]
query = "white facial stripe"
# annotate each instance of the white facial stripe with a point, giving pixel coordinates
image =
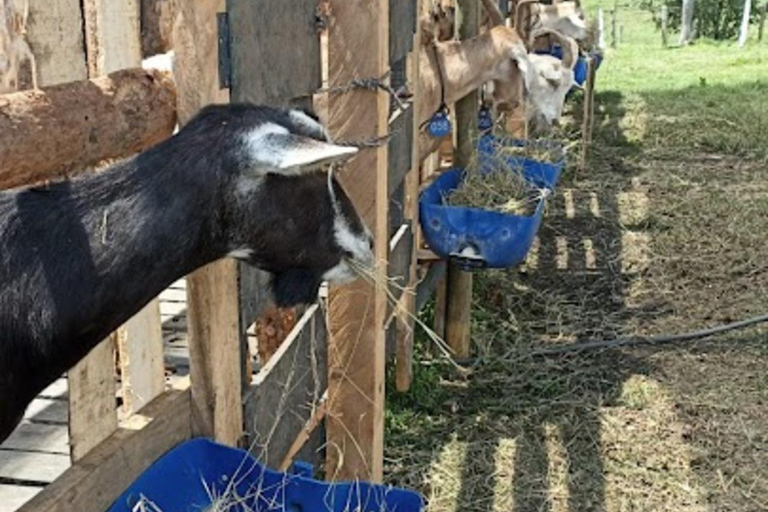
(259, 144)
(241, 254)
(317, 130)
(275, 149)
(358, 245)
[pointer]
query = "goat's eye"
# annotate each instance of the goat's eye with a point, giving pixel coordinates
(371, 244)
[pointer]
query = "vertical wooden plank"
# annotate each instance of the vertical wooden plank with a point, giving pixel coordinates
(664, 24)
(359, 47)
(404, 352)
(141, 358)
(588, 114)
(215, 352)
(112, 35)
(112, 42)
(55, 35)
(92, 403)
(761, 22)
(459, 283)
(215, 343)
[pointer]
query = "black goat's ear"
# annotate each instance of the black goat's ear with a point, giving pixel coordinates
(295, 286)
(273, 148)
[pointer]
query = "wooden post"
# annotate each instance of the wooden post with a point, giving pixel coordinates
(112, 40)
(664, 23)
(761, 23)
(588, 113)
(212, 303)
(600, 29)
(459, 283)
(358, 40)
(404, 355)
(614, 35)
(686, 22)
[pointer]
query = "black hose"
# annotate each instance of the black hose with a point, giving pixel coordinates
(653, 340)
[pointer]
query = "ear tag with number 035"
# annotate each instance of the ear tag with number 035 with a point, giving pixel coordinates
(484, 119)
(440, 124)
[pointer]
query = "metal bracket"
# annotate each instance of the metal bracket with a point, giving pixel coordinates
(225, 55)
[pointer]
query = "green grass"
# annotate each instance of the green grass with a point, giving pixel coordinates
(678, 173)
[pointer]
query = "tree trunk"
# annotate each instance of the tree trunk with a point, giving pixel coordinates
(744, 33)
(686, 25)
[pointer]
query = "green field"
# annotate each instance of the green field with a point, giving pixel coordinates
(664, 232)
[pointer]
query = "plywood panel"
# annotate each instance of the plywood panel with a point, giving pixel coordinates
(285, 391)
(275, 50)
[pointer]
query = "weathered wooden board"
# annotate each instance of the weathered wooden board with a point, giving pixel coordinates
(400, 148)
(14, 496)
(106, 471)
(92, 403)
(401, 251)
(427, 286)
(57, 390)
(55, 35)
(280, 401)
(358, 40)
(275, 50)
(39, 437)
(48, 411)
(402, 25)
(32, 466)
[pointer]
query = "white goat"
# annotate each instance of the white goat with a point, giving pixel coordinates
(565, 17)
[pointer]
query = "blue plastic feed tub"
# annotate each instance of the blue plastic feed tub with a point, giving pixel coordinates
(472, 237)
(185, 478)
(477, 238)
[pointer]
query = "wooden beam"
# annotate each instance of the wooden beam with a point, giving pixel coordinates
(459, 282)
(215, 343)
(358, 41)
(82, 123)
(98, 479)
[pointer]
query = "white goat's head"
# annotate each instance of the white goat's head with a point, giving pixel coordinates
(549, 80)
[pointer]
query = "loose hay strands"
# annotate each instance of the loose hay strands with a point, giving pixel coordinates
(387, 284)
(497, 182)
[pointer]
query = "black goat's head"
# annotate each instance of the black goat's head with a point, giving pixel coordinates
(282, 213)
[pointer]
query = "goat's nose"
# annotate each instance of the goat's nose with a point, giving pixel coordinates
(556, 123)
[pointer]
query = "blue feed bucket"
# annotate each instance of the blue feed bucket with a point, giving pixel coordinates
(478, 238)
(177, 483)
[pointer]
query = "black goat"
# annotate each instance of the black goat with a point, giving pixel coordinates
(79, 258)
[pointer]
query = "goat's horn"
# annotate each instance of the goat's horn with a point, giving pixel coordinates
(522, 22)
(494, 13)
(569, 46)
